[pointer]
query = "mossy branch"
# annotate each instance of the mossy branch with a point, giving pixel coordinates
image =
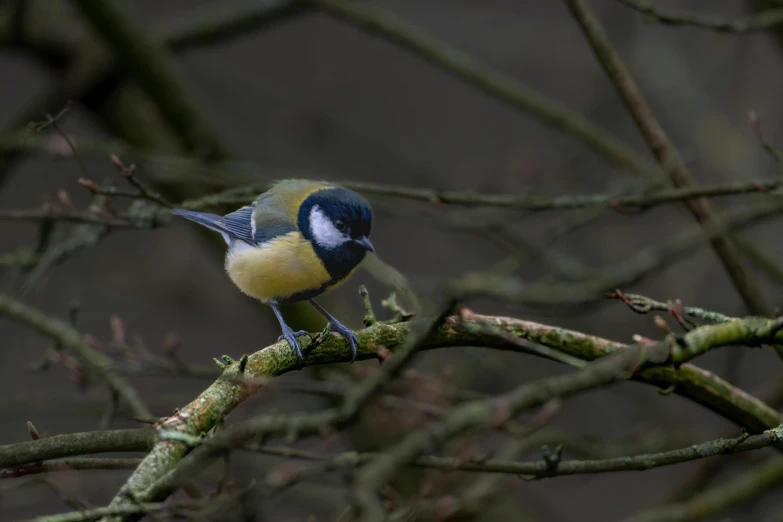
(72, 444)
(70, 464)
(232, 388)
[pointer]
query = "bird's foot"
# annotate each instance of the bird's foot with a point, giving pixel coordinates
(291, 336)
(337, 326)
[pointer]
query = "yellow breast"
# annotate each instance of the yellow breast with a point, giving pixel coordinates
(285, 266)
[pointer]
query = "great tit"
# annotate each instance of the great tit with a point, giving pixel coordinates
(297, 240)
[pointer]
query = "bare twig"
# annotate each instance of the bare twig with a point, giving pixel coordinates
(667, 154)
(72, 464)
(71, 339)
(483, 413)
(642, 305)
(68, 215)
(191, 509)
(466, 68)
(762, 21)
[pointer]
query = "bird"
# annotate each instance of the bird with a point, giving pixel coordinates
(297, 240)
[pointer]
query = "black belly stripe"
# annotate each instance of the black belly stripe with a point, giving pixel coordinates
(309, 294)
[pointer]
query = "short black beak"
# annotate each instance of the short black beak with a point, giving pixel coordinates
(365, 242)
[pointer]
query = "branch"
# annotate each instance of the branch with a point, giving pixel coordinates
(71, 339)
(621, 274)
(73, 444)
(240, 195)
(762, 21)
(531, 470)
(73, 464)
(193, 509)
(642, 305)
(67, 215)
(484, 414)
(230, 390)
(526, 202)
(743, 488)
(666, 153)
(227, 22)
(541, 469)
(468, 69)
(149, 63)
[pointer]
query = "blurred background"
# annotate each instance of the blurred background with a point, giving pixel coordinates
(306, 94)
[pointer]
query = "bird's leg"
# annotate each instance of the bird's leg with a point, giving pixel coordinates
(288, 334)
(337, 326)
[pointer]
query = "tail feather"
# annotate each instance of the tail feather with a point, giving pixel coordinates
(211, 221)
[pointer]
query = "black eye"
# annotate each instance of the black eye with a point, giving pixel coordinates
(339, 225)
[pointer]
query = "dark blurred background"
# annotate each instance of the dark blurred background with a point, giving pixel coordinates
(312, 96)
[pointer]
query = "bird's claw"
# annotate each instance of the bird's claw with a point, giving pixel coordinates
(353, 341)
(291, 337)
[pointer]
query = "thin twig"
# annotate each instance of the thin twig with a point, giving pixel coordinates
(643, 304)
(68, 215)
(463, 66)
(531, 470)
(71, 339)
(762, 21)
(667, 154)
(72, 464)
(484, 413)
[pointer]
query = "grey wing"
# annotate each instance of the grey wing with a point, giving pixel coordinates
(258, 223)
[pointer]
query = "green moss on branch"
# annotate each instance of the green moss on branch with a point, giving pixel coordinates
(71, 444)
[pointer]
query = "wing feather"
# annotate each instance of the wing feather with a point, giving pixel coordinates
(271, 215)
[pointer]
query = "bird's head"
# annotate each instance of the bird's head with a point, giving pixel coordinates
(338, 222)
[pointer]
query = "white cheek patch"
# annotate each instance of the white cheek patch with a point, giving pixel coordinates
(324, 232)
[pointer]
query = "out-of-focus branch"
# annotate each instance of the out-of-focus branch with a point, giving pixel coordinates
(212, 26)
(193, 509)
(67, 215)
(484, 78)
(149, 63)
(74, 444)
(72, 464)
(764, 20)
(71, 339)
(622, 274)
(530, 470)
(736, 491)
(181, 166)
(483, 414)
(667, 154)
(643, 201)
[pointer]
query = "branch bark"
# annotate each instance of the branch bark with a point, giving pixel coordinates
(73, 444)
(666, 153)
(233, 387)
(72, 464)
